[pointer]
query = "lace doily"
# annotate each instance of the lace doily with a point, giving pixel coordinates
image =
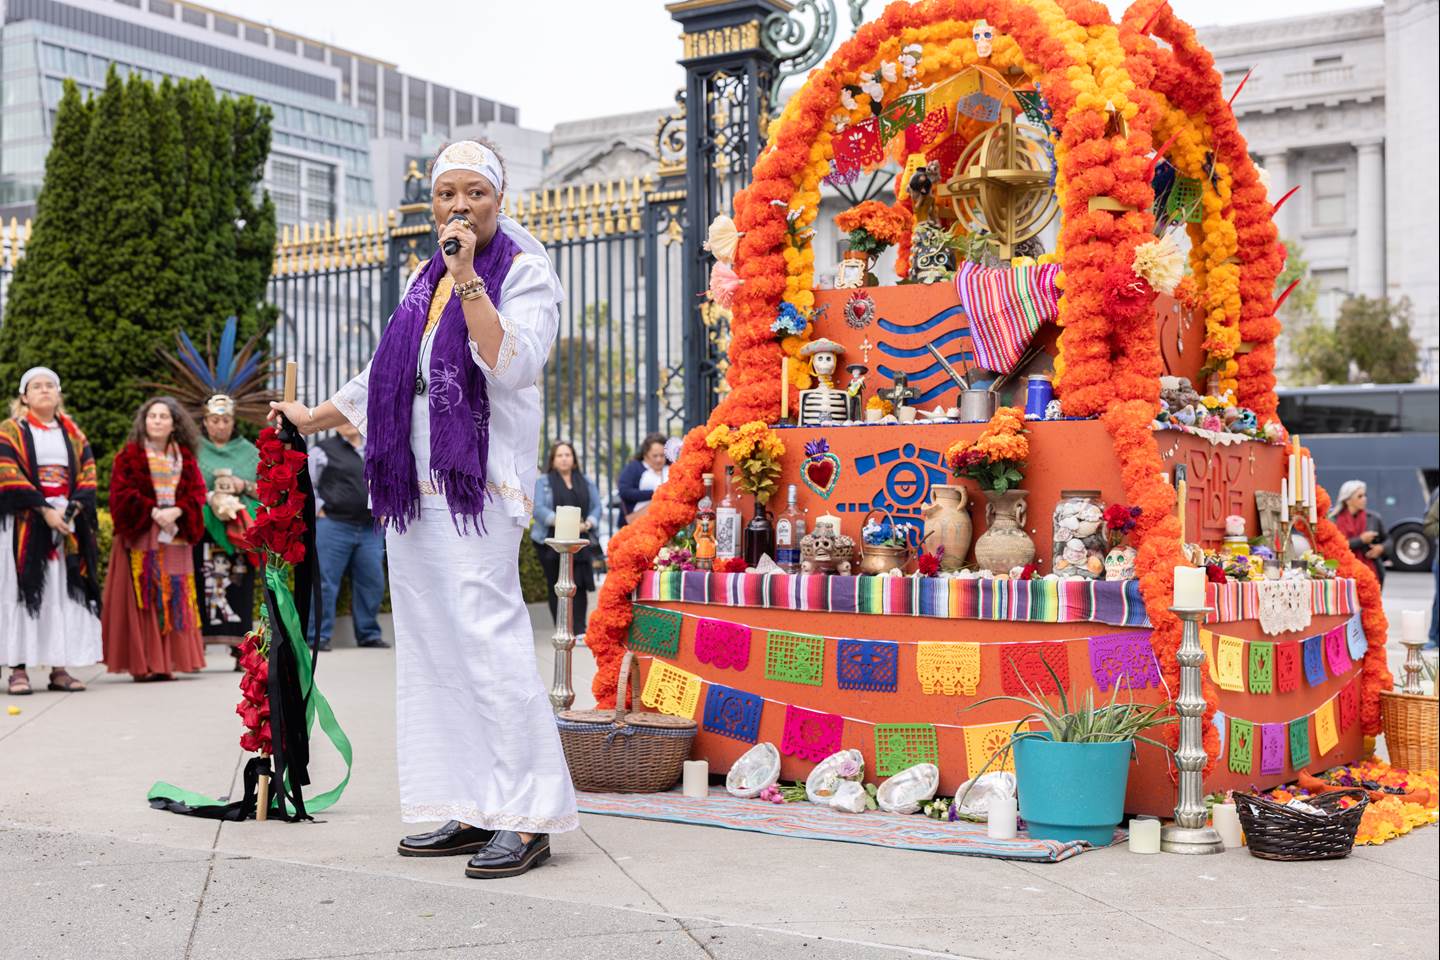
(811, 735)
(1284, 605)
(1287, 666)
(867, 665)
(1299, 743)
(1272, 748)
(902, 745)
(794, 658)
(948, 668)
(1262, 667)
(733, 713)
(721, 644)
(671, 690)
(655, 631)
(1242, 735)
(981, 743)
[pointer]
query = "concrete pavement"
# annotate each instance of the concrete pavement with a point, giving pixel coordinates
(88, 870)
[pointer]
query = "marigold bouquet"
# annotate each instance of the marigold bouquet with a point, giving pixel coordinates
(996, 458)
(755, 450)
(872, 226)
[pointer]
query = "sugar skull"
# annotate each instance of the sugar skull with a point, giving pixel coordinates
(1120, 564)
(984, 36)
(1053, 410)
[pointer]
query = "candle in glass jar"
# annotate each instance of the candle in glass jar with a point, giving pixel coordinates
(1145, 836)
(567, 523)
(1189, 588)
(1001, 823)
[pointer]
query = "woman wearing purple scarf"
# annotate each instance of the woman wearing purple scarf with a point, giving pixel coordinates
(450, 409)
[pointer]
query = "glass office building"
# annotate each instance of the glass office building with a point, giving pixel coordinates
(333, 109)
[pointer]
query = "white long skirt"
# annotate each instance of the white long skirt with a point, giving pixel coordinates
(62, 634)
(474, 730)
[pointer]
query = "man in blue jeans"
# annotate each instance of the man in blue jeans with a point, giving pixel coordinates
(345, 536)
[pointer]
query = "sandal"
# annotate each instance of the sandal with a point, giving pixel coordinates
(62, 681)
(19, 684)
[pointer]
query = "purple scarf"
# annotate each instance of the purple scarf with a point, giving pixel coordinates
(459, 401)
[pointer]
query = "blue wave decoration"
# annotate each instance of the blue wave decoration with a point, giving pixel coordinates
(945, 384)
(905, 353)
(926, 371)
(890, 326)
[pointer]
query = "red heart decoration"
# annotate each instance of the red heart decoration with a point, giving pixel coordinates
(820, 472)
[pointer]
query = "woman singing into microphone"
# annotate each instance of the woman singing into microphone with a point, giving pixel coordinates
(450, 409)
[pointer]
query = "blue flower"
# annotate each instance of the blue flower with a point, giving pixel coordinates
(791, 321)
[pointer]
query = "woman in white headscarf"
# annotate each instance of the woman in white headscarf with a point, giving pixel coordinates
(450, 409)
(1362, 527)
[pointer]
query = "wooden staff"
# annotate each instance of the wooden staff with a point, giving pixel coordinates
(290, 377)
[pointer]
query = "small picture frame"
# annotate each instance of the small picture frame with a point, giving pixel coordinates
(850, 274)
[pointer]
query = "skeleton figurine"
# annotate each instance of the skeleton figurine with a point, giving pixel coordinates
(931, 259)
(855, 389)
(823, 404)
(922, 190)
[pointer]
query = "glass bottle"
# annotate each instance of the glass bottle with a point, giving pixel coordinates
(727, 520)
(789, 529)
(759, 535)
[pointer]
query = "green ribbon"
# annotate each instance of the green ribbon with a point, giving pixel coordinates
(316, 706)
(216, 528)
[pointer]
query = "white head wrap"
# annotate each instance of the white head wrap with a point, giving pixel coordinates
(1348, 489)
(472, 156)
(34, 372)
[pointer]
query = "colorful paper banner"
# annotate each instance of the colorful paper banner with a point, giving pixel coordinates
(1300, 742)
(1262, 665)
(1287, 666)
(809, 734)
(1023, 665)
(671, 690)
(902, 745)
(1355, 638)
(927, 131)
(1126, 658)
(948, 668)
(1325, 734)
(867, 665)
(1337, 654)
(722, 644)
(1348, 706)
(1207, 642)
(1037, 111)
(982, 742)
(1272, 748)
(655, 631)
(901, 113)
(1231, 663)
(795, 658)
(979, 106)
(733, 713)
(1242, 735)
(1314, 656)
(858, 145)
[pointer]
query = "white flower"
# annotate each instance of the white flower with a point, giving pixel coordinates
(847, 99)
(874, 89)
(887, 70)
(1160, 263)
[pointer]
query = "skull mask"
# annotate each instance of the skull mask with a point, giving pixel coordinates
(983, 35)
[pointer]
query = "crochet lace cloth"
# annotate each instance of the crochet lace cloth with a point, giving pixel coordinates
(1284, 605)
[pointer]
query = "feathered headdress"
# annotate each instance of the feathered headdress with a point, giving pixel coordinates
(230, 382)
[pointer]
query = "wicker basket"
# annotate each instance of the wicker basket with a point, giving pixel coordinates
(622, 752)
(1277, 832)
(1411, 723)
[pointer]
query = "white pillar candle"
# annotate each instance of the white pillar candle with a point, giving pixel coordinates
(829, 518)
(1145, 836)
(1285, 501)
(1227, 824)
(1001, 822)
(1189, 588)
(567, 523)
(1412, 626)
(696, 784)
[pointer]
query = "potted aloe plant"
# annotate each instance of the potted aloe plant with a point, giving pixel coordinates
(1071, 775)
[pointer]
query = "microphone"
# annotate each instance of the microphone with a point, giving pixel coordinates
(452, 246)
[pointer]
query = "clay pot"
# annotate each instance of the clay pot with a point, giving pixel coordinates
(1004, 545)
(947, 524)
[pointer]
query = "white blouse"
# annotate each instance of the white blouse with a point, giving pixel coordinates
(530, 319)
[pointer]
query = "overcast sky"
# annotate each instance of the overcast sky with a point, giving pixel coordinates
(569, 59)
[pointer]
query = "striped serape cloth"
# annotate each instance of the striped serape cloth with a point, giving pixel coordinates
(1241, 601)
(1005, 307)
(1036, 601)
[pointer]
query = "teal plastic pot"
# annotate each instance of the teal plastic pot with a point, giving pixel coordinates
(1072, 791)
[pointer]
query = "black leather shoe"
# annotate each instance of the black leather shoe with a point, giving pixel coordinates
(450, 840)
(508, 856)
(377, 644)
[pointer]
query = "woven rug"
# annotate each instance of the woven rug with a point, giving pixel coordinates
(812, 822)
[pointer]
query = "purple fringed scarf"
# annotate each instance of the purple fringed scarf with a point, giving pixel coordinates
(459, 401)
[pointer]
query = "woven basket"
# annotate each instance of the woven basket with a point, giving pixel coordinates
(1412, 727)
(1277, 832)
(616, 751)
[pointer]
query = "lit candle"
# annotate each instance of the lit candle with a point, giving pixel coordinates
(1001, 822)
(696, 783)
(1294, 475)
(784, 388)
(1145, 835)
(1285, 501)
(1412, 626)
(567, 523)
(1227, 824)
(1189, 588)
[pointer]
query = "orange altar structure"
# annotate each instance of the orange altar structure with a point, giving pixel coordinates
(891, 665)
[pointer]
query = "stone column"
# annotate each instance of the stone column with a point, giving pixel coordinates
(1370, 220)
(1277, 165)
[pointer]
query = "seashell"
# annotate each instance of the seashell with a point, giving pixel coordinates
(825, 779)
(982, 789)
(1095, 564)
(850, 797)
(757, 769)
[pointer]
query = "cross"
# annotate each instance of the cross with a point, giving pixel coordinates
(900, 392)
(1252, 460)
(1016, 201)
(865, 347)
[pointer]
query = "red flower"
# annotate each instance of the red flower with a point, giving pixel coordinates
(1214, 573)
(295, 553)
(282, 475)
(250, 742)
(928, 564)
(731, 565)
(294, 459)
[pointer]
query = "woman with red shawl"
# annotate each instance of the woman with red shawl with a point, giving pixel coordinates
(151, 624)
(1364, 530)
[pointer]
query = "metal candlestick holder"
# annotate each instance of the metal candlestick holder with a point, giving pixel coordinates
(562, 692)
(1414, 665)
(1189, 834)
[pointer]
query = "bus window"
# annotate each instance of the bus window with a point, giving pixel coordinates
(1419, 413)
(1350, 412)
